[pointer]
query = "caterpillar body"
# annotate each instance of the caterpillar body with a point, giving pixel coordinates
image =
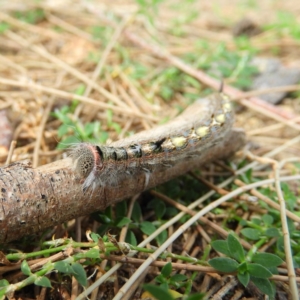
(181, 141)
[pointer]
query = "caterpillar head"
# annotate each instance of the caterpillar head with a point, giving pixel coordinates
(85, 159)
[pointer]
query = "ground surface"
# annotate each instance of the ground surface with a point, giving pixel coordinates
(105, 51)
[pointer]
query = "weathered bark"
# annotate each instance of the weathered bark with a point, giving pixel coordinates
(34, 199)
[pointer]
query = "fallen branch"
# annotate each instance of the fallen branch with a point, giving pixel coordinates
(34, 199)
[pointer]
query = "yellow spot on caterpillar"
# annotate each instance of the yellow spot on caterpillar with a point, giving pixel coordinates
(227, 107)
(225, 97)
(193, 134)
(214, 122)
(202, 131)
(179, 141)
(220, 118)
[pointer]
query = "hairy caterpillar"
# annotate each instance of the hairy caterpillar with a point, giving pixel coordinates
(182, 141)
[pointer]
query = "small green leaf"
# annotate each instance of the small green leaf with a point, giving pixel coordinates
(166, 92)
(116, 127)
(89, 129)
(158, 206)
(259, 271)
(31, 16)
(224, 264)
(105, 219)
(274, 270)
(179, 277)
(197, 296)
(243, 222)
(95, 237)
(3, 283)
(43, 281)
(235, 248)
(102, 137)
(291, 226)
(3, 27)
(121, 222)
(63, 267)
(79, 274)
(130, 238)
(25, 268)
(157, 292)
(250, 233)
(243, 267)
(160, 279)
(165, 285)
(280, 244)
(221, 246)
(136, 212)
(162, 237)
(264, 285)
(244, 278)
(80, 90)
(171, 212)
(73, 105)
(268, 220)
(109, 116)
(121, 209)
(92, 253)
(166, 270)
(63, 129)
(267, 259)
(147, 227)
(61, 114)
(272, 232)
(256, 221)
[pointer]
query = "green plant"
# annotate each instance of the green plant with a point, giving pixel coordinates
(286, 24)
(258, 228)
(171, 81)
(168, 284)
(101, 33)
(77, 263)
(71, 266)
(32, 16)
(73, 131)
(254, 266)
(148, 8)
(118, 219)
(219, 62)
(3, 27)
